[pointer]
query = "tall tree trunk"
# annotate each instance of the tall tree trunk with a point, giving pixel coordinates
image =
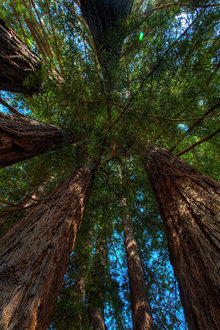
(141, 313)
(22, 138)
(35, 253)
(97, 285)
(105, 18)
(81, 263)
(17, 61)
(189, 204)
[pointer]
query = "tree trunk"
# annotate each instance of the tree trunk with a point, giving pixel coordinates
(97, 291)
(17, 61)
(189, 204)
(106, 20)
(141, 313)
(22, 138)
(35, 253)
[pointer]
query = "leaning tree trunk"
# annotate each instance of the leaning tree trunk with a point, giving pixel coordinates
(17, 61)
(35, 253)
(97, 288)
(141, 312)
(22, 138)
(189, 204)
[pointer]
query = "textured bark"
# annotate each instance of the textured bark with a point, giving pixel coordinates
(35, 253)
(189, 204)
(97, 291)
(17, 61)
(141, 313)
(22, 138)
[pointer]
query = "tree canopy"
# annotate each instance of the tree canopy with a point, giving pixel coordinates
(151, 78)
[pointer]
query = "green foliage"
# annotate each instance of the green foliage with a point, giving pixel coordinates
(169, 78)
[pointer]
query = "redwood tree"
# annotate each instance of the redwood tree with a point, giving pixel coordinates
(189, 204)
(140, 308)
(106, 21)
(17, 61)
(22, 138)
(157, 76)
(35, 254)
(141, 312)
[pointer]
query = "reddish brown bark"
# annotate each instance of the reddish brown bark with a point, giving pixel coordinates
(35, 253)
(141, 313)
(17, 61)
(22, 138)
(189, 204)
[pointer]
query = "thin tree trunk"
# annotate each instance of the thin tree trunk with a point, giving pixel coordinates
(22, 138)
(189, 204)
(97, 291)
(81, 263)
(35, 253)
(141, 313)
(17, 61)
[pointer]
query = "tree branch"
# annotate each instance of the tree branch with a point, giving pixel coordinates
(184, 119)
(198, 143)
(10, 108)
(162, 58)
(195, 124)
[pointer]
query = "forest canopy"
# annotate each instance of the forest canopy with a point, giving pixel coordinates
(100, 84)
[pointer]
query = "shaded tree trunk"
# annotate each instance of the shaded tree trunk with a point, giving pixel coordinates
(22, 138)
(17, 61)
(97, 288)
(141, 313)
(107, 23)
(35, 253)
(189, 204)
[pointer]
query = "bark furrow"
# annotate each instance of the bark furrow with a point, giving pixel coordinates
(22, 138)
(17, 61)
(34, 254)
(189, 204)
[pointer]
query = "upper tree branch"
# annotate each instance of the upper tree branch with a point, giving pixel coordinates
(10, 108)
(195, 124)
(199, 142)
